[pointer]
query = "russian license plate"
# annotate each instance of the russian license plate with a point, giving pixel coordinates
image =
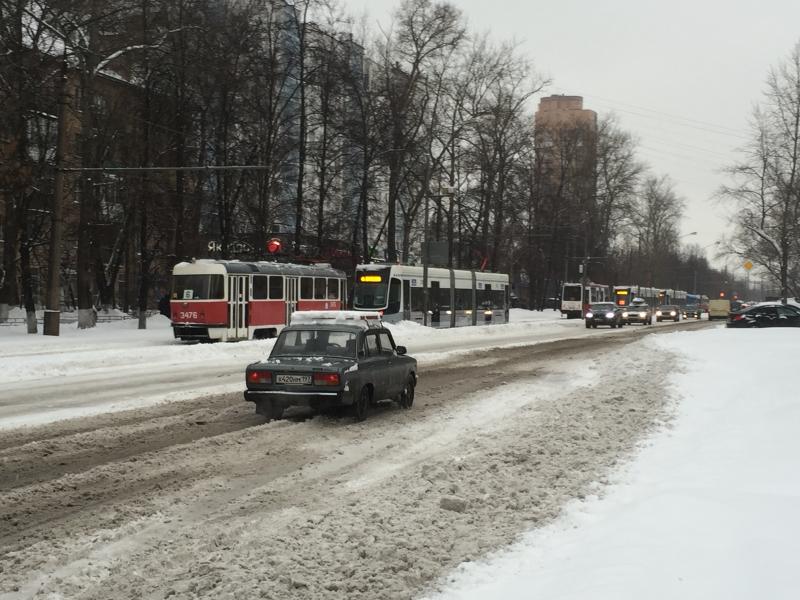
(293, 379)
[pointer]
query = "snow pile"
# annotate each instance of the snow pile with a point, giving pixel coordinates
(708, 509)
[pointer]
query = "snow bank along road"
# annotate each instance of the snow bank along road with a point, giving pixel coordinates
(199, 498)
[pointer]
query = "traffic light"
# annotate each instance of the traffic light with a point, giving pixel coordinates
(274, 246)
(722, 294)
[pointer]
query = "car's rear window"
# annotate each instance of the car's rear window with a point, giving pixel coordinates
(315, 342)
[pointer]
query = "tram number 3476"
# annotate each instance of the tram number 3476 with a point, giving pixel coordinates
(185, 315)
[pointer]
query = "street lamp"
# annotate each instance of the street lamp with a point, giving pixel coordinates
(694, 279)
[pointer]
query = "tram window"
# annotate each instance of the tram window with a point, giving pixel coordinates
(276, 287)
(394, 297)
(463, 299)
(485, 296)
(198, 287)
(498, 298)
(333, 289)
(216, 287)
(320, 291)
(260, 287)
(306, 288)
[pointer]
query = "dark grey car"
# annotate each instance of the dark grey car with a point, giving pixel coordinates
(325, 366)
(604, 313)
(668, 312)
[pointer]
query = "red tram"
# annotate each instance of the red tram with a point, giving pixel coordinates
(229, 300)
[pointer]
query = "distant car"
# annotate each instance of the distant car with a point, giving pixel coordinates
(638, 313)
(719, 308)
(604, 313)
(342, 358)
(668, 312)
(766, 315)
(692, 311)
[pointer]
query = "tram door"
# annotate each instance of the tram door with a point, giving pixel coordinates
(292, 286)
(238, 296)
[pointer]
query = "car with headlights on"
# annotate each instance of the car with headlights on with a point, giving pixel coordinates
(328, 359)
(604, 313)
(766, 315)
(692, 311)
(637, 312)
(668, 312)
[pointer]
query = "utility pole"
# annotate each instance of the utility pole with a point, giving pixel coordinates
(52, 313)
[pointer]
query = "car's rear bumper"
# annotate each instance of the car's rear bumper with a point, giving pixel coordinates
(287, 398)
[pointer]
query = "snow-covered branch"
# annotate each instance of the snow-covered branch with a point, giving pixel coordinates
(122, 51)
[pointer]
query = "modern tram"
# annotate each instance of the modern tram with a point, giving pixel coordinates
(229, 300)
(576, 298)
(455, 298)
(624, 295)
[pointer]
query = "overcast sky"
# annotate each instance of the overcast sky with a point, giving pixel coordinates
(682, 75)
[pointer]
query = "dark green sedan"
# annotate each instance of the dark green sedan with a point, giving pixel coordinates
(326, 365)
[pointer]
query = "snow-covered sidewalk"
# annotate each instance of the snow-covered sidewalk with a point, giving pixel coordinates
(708, 509)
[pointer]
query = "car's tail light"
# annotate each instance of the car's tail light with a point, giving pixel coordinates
(259, 376)
(738, 318)
(326, 379)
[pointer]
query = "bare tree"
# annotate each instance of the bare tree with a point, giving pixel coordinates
(766, 184)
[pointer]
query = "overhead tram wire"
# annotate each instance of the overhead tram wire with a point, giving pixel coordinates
(722, 129)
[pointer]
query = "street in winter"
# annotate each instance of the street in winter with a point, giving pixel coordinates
(399, 300)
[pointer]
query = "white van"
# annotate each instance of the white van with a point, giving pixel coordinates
(719, 308)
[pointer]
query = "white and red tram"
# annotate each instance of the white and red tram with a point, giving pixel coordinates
(230, 300)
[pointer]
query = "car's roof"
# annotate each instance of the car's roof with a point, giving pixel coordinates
(355, 328)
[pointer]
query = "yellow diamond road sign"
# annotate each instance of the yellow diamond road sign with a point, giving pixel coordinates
(748, 265)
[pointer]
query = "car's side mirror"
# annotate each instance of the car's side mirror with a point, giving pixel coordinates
(401, 350)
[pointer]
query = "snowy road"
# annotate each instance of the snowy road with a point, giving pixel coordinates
(197, 498)
(40, 386)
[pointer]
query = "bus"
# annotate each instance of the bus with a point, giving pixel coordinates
(228, 300)
(576, 298)
(455, 298)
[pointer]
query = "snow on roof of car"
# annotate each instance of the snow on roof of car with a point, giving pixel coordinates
(360, 318)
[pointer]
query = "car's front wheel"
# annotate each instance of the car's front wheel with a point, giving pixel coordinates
(407, 395)
(361, 405)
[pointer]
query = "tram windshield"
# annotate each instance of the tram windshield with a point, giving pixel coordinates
(198, 287)
(371, 289)
(572, 293)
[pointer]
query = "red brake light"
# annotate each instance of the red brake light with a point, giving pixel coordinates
(738, 317)
(256, 376)
(326, 379)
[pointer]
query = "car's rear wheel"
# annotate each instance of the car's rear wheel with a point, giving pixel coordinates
(269, 409)
(407, 395)
(361, 405)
